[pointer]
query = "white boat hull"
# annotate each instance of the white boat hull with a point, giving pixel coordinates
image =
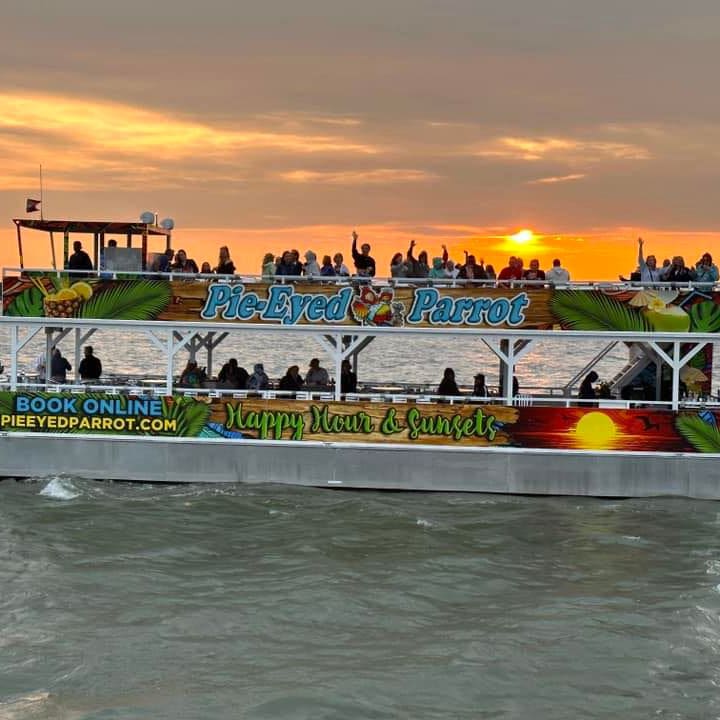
(397, 467)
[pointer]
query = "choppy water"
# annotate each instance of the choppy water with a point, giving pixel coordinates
(140, 601)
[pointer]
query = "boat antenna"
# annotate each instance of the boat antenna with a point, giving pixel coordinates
(41, 194)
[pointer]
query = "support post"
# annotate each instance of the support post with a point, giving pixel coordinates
(338, 366)
(19, 241)
(169, 355)
(13, 357)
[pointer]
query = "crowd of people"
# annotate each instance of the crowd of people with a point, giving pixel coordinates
(415, 265)
(407, 265)
(648, 270)
(89, 370)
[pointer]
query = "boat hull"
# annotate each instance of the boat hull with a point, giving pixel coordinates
(338, 465)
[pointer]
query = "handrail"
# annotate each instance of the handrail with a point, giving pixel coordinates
(356, 279)
(522, 400)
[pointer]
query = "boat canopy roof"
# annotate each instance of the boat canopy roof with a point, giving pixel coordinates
(92, 227)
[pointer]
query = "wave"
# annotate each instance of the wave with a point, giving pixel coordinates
(60, 488)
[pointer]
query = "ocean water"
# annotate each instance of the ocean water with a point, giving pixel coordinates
(123, 600)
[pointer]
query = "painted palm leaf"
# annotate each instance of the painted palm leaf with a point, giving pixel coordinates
(705, 317)
(6, 403)
(577, 310)
(28, 303)
(137, 300)
(191, 415)
(703, 436)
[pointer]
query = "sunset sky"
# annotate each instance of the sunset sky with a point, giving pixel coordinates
(269, 125)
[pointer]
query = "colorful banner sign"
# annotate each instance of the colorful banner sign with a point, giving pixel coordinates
(377, 305)
(437, 424)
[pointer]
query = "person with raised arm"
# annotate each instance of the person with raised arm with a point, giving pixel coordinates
(364, 262)
(649, 271)
(471, 270)
(417, 267)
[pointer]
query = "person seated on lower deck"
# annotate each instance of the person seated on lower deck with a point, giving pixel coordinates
(258, 380)
(317, 376)
(192, 375)
(515, 385)
(587, 391)
(292, 380)
(233, 376)
(480, 389)
(348, 379)
(447, 385)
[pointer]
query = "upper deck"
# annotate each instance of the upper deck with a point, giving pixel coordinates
(396, 304)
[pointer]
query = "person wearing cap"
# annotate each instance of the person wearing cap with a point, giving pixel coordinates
(480, 389)
(317, 376)
(90, 366)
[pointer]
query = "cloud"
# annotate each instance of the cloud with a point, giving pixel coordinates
(557, 179)
(533, 149)
(89, 139)
(357, 177)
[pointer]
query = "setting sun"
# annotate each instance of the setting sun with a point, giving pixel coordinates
(523, 237)
(595, 431)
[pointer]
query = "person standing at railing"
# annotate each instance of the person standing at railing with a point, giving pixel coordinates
(269, 266)
(649, 271)
(364, 262)
(79, 260)
(288, 265)
(471, 270)
(678, 272)
(225, 265)
(513, 270)
(183, 264)
(417, 267)
(534, 272)
(59, 367)
(311, 267)
(90, 367)
(327, 269)
(557, 275)
(341, 269)
(448, 386)
(398, 266)
(705, 272)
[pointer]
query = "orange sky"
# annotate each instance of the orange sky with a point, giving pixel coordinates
(266, 126)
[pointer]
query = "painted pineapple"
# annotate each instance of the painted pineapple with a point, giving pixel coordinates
(66, 302)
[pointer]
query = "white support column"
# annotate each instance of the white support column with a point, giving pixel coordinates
(677, 362)
(509, 372)
(13, 357)
(76, 362)
(169, 355)
(676, 376)
(339, 357)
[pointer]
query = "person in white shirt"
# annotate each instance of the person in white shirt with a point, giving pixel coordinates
(40, 368)
(557, 275)
(317, 376)
(649, 271)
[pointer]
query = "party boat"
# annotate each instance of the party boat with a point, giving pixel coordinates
(650, 430)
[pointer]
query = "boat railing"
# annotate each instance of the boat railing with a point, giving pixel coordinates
(526, 399)
(250, 279)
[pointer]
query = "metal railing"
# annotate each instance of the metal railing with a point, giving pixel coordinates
(251, 279)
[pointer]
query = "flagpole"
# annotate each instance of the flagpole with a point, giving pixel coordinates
(41, 194)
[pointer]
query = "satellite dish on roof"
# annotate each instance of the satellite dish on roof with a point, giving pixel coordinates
(148, 218)
(167, 224)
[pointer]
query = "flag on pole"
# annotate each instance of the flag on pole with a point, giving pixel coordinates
(32, 205)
